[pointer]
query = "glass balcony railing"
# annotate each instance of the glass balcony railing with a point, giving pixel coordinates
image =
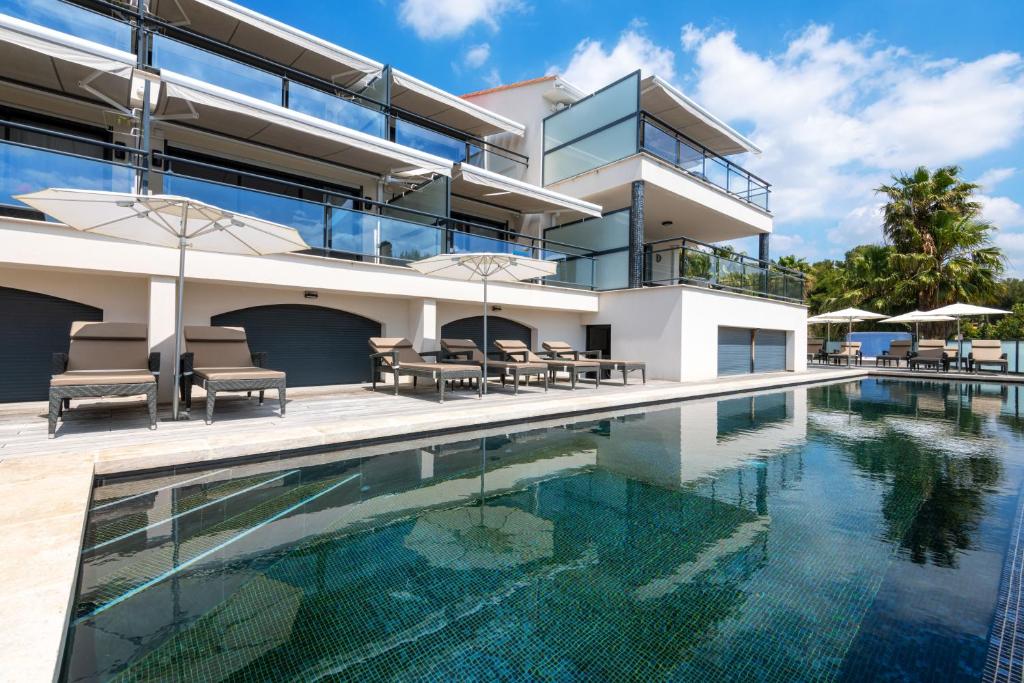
(73, 20)
(217, 70)
(609, 125)
(689, 262)
(337, 109)
(26, 169)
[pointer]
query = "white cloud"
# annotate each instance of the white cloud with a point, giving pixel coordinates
(1001, 212)
(992, 177)
(837, 117)
(860, 225)
(436, 19)
(592, 66)
(492, 78)
(477, 55)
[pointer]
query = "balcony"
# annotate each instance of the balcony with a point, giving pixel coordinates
(72, 20)
(333, 225)
(612, 124)
(683, 261)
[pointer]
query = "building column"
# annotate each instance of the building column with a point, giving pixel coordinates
(423, 325)
(161, 330)
(636, 235)
(763, 246)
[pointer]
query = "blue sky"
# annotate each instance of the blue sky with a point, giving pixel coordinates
(839, 94)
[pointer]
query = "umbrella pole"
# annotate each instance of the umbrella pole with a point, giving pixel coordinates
(484, 378)
(179, 314)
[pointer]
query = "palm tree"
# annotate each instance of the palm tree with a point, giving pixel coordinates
(941, 251)
(795, 262)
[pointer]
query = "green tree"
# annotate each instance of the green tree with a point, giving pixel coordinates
(941, 251)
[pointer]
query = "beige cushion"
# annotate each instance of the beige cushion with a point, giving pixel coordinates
(517, 347)
(217, 347)
(464, 345)
(228, 373)
(108, 346)
(931, 344)
(558, 346)
(406, 354)
(435, 367)
(83, 377)
(987, 349)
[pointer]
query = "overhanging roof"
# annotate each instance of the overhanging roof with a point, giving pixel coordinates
(667, 103)
(515, 195)
(251, 119)
(253, 32)
(64, 63)
(418, 97)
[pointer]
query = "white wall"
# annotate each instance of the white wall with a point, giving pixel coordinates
(675, 328)
(123, 298)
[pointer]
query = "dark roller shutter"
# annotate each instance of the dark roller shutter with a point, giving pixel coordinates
(733, 350)
(314, 345)
(497, 328)
(770, 351)
(32, 328)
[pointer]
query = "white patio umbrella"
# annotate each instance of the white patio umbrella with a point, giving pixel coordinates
(166, 221)
(851, 316)
(959, 310)
(485, 267)
(916, 318)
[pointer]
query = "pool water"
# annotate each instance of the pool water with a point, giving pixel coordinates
(854, 532)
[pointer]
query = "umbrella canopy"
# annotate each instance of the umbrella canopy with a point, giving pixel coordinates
(485, 267)
(166, 221)
(918, 317)
(959, 310)
(848, 316)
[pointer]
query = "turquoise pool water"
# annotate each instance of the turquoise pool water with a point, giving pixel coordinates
(851, 532)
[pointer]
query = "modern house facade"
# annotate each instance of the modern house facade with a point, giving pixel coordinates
(626, 189)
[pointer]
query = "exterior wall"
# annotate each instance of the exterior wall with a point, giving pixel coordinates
(123, 298)
(544, 325)
(675, 328)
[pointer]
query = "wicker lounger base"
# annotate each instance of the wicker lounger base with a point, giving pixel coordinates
(625, 368)
(439, 376)
(916, 363)
(213, 387)
(575, 369)
(505, 368)
(975, 365)
(58, 395)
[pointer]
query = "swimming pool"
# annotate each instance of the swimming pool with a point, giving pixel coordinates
(855, 531)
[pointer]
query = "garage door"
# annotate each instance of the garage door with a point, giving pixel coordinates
(32, 328)
(770, 351)
(497, 328)
(734, 350)
(312, 344)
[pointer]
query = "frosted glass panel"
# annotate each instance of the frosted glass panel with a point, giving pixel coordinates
(611, 104)
(599, 149)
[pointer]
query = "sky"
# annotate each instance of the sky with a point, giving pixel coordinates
(838, 95)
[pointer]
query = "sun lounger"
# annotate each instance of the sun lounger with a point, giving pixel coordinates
(987, 352)
(561, 349)
(517, 350)
(466, 351)
(931, 353)
(396, 355)
(899, 349)
(848, 351)
(815, 348)
(218, 359)
(104, 359)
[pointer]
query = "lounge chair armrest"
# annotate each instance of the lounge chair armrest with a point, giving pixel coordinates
(435, 354)
(154, 363)
(572, 355)
(1002, 356)
(259, 359)
(58, 363)
(393, 355)
(496, 355)
(187, 361)
(593, 353)
(456, 355)
(512, 354)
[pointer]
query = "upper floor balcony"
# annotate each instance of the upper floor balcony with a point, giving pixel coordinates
(634, 116)
(224, 45)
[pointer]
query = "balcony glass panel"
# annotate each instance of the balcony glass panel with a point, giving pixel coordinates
(611, 104)
(73, 20)
(660, 143)
(27, 169)
(216, 70)
(611, 144)
(573, 270)
(429, 141)
(402, 241)
(306, 217)
(344, 112)
(464, 243)
(610, 234)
